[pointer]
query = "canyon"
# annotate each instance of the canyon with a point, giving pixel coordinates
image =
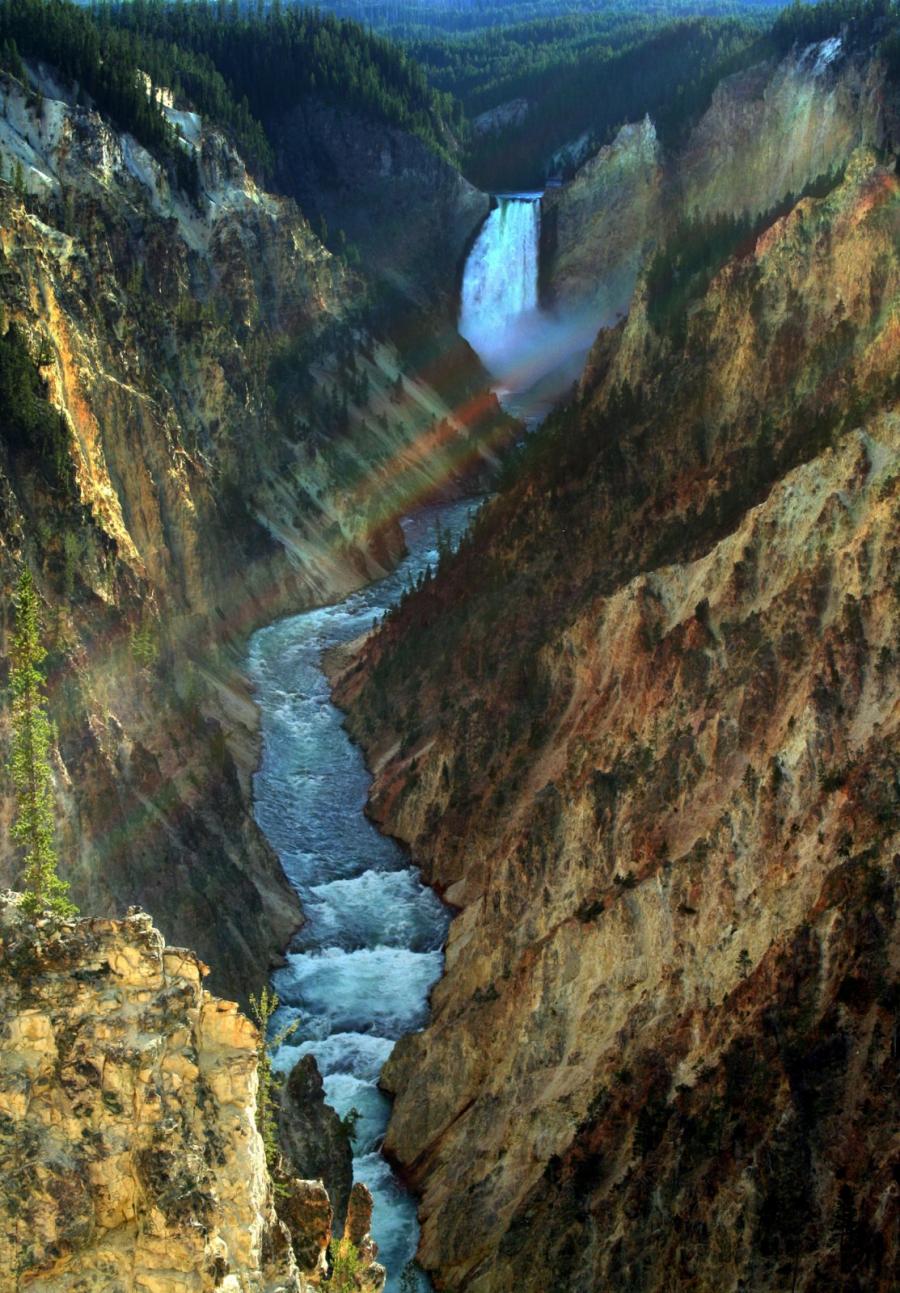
(637, 725)
(195, 507)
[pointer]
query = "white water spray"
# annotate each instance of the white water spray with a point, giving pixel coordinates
(500, 284)
(533, 355)
(359, 971)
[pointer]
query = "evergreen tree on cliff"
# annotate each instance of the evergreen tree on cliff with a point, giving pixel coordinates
(30, 761)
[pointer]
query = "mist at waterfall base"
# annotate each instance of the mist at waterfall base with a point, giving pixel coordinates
(534, 355)
(359, 971)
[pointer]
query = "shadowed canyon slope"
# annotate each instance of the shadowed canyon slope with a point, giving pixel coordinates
(235, 444)
(410, 212)
(651, 754)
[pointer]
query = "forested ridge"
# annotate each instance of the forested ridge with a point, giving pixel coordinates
(272, 59)
(580, 74)
(414, 18)
(668, 72)
(584, 69)
(584, 74)
(240, 70)
(102, 62)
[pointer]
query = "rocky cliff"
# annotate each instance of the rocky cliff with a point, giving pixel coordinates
(129, 1146)
(235, 443)
(651, 755)
(410, 212)
(768, 132)
(595, 231)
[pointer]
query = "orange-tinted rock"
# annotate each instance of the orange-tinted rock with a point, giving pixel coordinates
(654, 765)
(359, 1214)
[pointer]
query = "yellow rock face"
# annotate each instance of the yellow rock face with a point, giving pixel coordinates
(129, 1153)
(767, 132)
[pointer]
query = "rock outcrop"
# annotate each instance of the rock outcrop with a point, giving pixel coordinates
(651, 754)
(595, 231)
(312, 1137)
(358, 1231)
(129, 1153)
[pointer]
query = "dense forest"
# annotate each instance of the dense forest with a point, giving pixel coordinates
(490, 67)
(862, 21)
(413, 18)
(574, 76)
(240, 70)
(272, 60)
(584, 92)
(103, 63)
(579, 69)
(582, 76)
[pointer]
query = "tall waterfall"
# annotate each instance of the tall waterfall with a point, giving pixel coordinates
(500, 283)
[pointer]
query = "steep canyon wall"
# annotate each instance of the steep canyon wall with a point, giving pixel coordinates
(235, 444)
(768, 131)
(651, 755)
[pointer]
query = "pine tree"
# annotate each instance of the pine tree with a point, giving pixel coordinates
(30, 761)
(263, 1008)
(346, 1266)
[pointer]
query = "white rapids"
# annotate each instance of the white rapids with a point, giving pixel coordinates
(360, 970)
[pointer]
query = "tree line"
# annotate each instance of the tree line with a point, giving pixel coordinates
(668, 71)
(104, 65)
(272, 59)
(245, 63)
(585, 74)
(241, 69)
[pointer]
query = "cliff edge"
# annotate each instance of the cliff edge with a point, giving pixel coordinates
(129, 1152)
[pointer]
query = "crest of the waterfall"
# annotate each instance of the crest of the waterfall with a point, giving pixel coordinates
(500, 283)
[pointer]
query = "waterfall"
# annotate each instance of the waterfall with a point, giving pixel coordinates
(534, 355)
(500, 283)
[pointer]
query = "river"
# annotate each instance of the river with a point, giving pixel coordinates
(359, 972)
